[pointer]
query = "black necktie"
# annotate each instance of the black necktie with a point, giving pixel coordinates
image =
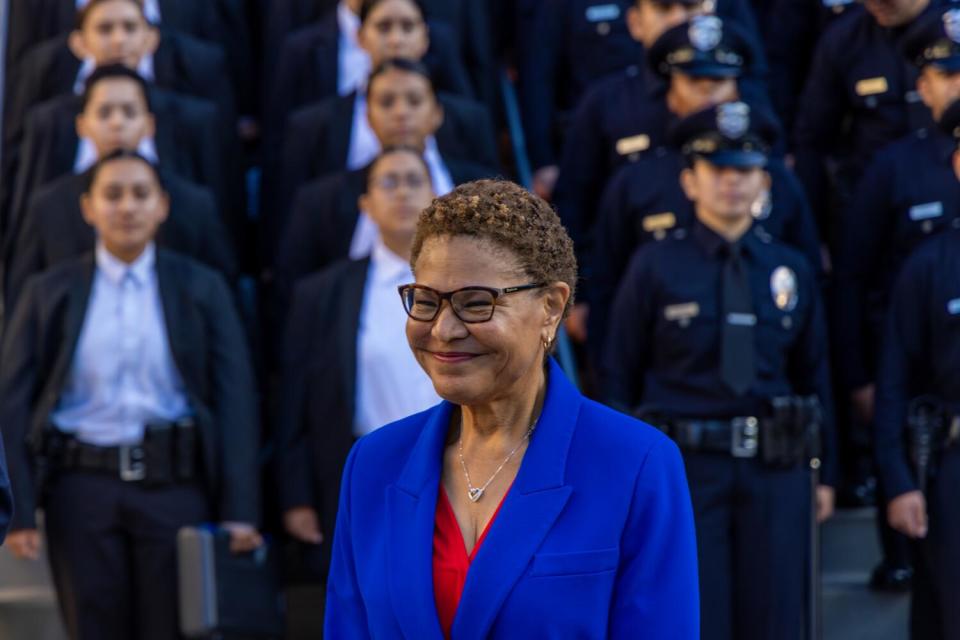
(737, 367)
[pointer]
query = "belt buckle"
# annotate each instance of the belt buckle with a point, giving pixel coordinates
(133, 467)
(744, 437)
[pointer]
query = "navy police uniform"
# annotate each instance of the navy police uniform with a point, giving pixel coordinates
(704, 335)
(860, 96)
(626, 117)
(920, 365)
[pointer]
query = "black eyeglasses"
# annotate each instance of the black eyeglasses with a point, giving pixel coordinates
(470, 304)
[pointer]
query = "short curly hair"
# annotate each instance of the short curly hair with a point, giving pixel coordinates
(510, 217)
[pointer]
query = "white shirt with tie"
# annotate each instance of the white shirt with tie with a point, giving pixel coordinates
(390, 383)
(122, 376)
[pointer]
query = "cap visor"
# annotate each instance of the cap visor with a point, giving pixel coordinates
(950, 65)
(736, 159)
(710, 70)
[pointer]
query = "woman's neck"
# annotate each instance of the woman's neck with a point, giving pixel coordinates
(502, 423)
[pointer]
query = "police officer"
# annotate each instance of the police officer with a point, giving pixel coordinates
(717, 336)
(621, 117)
(636, 206)
(918, 404)
(127, 398)
(907, 193)
(860, 96)
(579, 42)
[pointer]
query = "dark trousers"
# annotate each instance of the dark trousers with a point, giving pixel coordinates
(752, 546)
(935, 605)
(112, 548)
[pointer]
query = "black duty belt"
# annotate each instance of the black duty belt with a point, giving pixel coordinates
(738, 437)
(128, 462)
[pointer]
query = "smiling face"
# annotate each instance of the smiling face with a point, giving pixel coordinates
(125, 205)
(478, 363)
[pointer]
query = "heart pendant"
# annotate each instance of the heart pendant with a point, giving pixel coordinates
(474, 494)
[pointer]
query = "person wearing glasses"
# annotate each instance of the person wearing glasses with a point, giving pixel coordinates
(516, 507)
(348, 314)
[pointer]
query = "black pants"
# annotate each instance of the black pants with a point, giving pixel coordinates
(935, 606)
(112, 548)
(752, 546)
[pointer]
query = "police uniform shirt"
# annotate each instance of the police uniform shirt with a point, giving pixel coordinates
(908, 194)
(390, 382)
(663, 344)
(920, 352)
(123, 375)
(353, 62)
(860, 96)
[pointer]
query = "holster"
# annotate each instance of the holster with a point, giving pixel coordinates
(931, 428)
(790, 435)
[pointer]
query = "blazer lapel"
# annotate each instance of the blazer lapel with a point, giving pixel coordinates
(168, 284)
(536, 500)
(78, 299)
(341, 129)
(412, 507)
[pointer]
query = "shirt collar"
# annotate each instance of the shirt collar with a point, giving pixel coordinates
(388, 266)
(349, 23)
(87, 153)
(88, 66)
(115, 269)
(714, 244)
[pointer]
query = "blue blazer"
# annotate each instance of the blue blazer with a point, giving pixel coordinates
(594, 540)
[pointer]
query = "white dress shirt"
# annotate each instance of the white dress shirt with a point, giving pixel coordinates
(353, 63)
(390, 383)
(87, 153)
(151, 9)
(123, 375)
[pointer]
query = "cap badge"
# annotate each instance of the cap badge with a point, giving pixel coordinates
(951, 24)
(705, 32)
(733, 119)
(783, 286)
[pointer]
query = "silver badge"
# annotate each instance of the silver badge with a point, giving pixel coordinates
(951, 24)
(783, 286)
(762, 206)
(705, 32)
(733, 119)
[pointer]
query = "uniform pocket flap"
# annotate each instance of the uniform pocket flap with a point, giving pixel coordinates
(574, 563)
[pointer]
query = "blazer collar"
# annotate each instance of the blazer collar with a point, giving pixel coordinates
(536, 499)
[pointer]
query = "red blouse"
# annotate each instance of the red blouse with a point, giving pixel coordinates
(450, 560)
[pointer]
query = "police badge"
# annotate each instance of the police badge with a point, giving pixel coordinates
(733, 119)
(951, 24)
(783, 286)
(705, 32)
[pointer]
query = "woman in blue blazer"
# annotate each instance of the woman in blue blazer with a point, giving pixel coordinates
(516, 508)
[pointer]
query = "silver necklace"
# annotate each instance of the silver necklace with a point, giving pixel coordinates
(475, 493)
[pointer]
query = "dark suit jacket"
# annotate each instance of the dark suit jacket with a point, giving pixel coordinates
(468, 19)
(38, 20)
(182, 64)
(208, 346)
(309, 69)
(54, 231)
(319, 365)
(186, 142)
(324, 216)
(317, 142)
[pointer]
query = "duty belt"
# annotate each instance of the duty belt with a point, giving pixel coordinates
(739, 437)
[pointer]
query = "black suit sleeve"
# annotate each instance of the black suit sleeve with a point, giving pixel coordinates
(18, 389)
(27, 259)
(234, 405)
(904, 361)
(294, 478)
(539, 73)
